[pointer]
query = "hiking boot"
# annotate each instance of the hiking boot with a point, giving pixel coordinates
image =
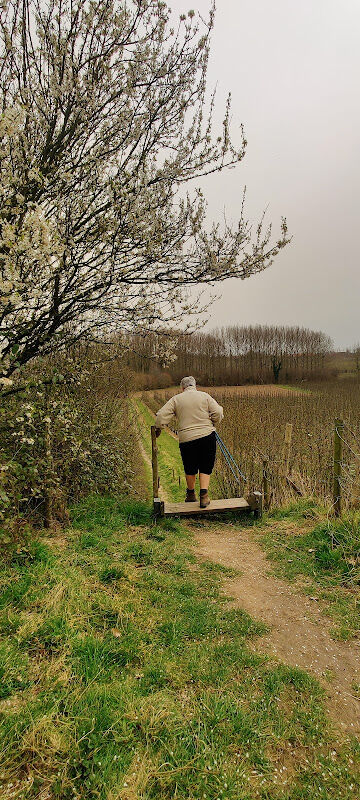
(204, 499)
(190, 496)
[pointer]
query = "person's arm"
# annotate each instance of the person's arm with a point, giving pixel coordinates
(216, 412)
(165, 415)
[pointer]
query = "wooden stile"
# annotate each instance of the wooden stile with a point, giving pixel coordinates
(215, 507)
(254, 503)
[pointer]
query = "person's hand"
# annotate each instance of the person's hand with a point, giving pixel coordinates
(158, 431)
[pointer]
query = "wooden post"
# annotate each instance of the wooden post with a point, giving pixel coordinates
(48, 489)
(266, 487)
(154, 461)
(158, 507)
(287, 445)
(339, 428)
(255, 500)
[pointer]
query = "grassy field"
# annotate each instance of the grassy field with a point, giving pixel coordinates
(321, 556)
(243, 391)
(344, 363)
(126, 676)
(171, 471)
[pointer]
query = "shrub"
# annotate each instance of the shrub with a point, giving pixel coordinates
(60, 444)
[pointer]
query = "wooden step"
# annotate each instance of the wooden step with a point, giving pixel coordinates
(215, 507)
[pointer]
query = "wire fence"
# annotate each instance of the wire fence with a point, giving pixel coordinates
(348, 467)
(298, 464)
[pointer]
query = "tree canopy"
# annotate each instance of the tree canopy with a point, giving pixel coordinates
(104, 117)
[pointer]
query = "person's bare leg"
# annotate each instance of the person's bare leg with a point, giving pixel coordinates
(190, 481)
(204, 480)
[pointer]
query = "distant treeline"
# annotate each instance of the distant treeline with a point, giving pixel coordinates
(232, 355)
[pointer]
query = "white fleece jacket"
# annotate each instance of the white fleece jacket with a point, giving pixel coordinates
(196, 414)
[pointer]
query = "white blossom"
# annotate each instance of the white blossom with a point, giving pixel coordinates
(103, 122)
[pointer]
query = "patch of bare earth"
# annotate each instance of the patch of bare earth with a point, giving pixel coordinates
(299, 632)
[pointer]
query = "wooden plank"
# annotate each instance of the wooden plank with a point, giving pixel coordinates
(215, 507)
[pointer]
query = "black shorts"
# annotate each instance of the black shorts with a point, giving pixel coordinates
(199, 455)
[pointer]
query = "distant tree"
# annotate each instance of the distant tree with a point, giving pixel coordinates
(276, 363)
(252, 353)
(103, 121)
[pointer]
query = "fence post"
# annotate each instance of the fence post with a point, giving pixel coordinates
(287, 445)
(255, 500)
(339, 428)
(48, 488)
(266, 488)
(154, 461)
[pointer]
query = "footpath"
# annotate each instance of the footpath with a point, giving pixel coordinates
(299, 633)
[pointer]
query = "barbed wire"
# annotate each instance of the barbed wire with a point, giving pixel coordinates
(357, 455)
(352, 432)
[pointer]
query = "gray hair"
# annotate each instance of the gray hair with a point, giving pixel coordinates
(189, 381)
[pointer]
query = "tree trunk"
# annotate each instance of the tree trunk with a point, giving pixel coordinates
(276, 367)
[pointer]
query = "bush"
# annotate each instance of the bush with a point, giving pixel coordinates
(60, 444)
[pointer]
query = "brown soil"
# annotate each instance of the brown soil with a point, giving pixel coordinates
(299, 632)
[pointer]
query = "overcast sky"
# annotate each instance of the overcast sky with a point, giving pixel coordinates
(293, 70)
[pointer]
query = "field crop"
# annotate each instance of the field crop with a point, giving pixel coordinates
(254, 430)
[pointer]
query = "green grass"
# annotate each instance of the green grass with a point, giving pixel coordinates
(127, 676)
(324, 553)
(291, 387)
(169, 458)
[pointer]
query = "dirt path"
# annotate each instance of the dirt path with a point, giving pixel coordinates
(299, 633)
(162, 493)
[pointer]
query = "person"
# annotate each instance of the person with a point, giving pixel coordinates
(196, 413)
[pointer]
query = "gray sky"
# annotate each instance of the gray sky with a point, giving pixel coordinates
(293, 70)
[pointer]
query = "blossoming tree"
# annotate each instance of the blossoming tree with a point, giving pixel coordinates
(103, 122)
